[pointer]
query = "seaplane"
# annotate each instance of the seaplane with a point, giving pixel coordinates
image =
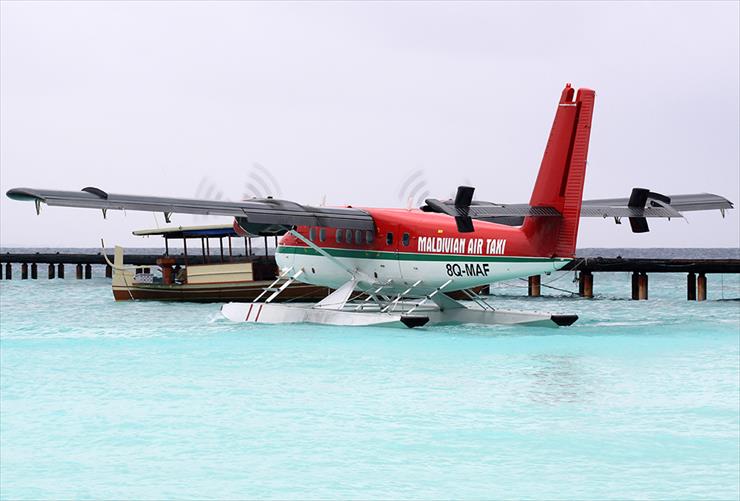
(399, 267)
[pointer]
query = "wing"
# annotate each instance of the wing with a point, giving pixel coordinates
(641, 204)
(266, 216)
(681, 203)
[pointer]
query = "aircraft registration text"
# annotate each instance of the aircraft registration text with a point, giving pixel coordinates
(467, 270)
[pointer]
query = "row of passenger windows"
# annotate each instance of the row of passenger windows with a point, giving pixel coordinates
(357, 237)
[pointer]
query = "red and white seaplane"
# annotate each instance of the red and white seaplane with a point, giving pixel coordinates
(404, 263)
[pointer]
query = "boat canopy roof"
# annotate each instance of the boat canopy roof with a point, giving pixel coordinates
(212, 231)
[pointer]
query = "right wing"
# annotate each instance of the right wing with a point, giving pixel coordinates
(264, 216)
(640, 205)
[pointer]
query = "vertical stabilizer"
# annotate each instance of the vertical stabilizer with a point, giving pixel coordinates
(562, 172)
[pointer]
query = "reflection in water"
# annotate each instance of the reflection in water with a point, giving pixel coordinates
(558, 379)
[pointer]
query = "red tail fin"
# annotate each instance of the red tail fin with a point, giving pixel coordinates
(562, 172)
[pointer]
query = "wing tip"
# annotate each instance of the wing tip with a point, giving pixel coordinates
(23, 194)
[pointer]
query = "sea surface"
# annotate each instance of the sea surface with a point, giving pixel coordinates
(145, 400)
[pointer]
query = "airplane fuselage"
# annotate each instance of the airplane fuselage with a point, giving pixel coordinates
(410, 246)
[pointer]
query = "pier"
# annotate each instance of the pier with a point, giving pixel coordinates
(696, 270)
(83, 263)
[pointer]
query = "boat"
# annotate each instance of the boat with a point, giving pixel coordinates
(221, 277)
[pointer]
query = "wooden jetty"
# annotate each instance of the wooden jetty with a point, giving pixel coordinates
(696, 273)
(696, 270)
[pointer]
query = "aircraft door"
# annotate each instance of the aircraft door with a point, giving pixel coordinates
(386, 266)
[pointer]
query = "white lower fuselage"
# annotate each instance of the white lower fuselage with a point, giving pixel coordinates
(400, 270)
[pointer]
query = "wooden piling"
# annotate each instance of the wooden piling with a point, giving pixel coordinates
(78, 271)
(60, 270)
(8, 271)
(34, 271)
(691, 286)
(88, 271)
(635, 287)
(587, 287)
(24, 271)
(642, 284)
(108, 271)
(52, 271)
(533, 289)
(701, 287)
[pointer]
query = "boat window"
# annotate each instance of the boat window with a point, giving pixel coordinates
(369, 236)
(358, 237)
(312, 234)
(348, 236)
(406, 240)
(389, 238)
(339, 235)
(322, 234)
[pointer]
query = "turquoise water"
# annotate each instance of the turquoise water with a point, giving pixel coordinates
(150, 401)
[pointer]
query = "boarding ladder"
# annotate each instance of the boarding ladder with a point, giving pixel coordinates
(277, 290)
(373, 295)
(429, 297)
(394, 303)
(474, 296)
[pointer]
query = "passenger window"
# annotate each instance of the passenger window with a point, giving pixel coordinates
(406, 240)
(369, 236)
(322, 234)
(348, 236)
(312, 234)
(339, 235)
(358, 237)
(389, 238)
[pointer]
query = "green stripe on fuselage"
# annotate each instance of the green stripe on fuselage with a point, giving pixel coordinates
(410, 256)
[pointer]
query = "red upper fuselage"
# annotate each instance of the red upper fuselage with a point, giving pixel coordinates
(415, 231)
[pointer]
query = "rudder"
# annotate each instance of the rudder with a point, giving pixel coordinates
(562, 172)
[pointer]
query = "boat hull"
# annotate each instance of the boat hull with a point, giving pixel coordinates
(216, 293)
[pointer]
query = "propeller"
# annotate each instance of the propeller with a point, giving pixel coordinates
(463, 199)
(638, 200)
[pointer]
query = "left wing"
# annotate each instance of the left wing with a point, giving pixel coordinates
(264, 216)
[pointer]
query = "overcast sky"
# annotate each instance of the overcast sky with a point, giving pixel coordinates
(346, 101)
